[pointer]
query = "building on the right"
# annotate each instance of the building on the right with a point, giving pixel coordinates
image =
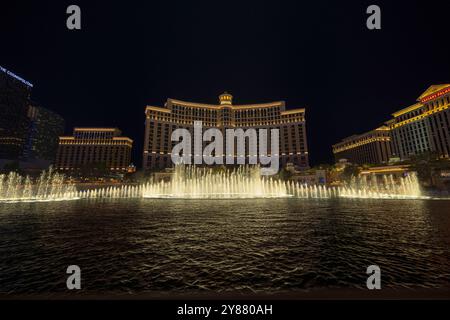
(423, 127)
(370, 147)
(410, 134)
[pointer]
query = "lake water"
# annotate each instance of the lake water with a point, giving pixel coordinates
(145, 246)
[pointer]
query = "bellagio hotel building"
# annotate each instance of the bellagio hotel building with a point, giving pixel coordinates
(162, 121)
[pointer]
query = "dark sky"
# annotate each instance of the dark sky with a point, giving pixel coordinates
(313, 54)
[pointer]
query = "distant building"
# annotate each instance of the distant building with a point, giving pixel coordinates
(161, 122)
(311, 176)
(102, 148)
(43, 134)
(395, 170)
(373, 147)
(14, 122)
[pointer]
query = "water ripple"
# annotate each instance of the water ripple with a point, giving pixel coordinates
(248, 246)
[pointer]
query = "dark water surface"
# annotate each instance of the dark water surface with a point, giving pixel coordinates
(189, 246)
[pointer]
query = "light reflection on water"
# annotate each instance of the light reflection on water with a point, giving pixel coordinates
(260, 245)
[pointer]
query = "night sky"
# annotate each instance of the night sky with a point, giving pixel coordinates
(313, 54)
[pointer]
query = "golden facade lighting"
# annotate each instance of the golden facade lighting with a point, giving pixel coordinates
(89, 146)
(160, 123)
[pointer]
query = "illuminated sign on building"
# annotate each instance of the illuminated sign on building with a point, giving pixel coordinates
(9, 73)
(436, 95)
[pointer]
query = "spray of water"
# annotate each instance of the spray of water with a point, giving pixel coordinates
(50, 186)
(190, 182)
(194, 182)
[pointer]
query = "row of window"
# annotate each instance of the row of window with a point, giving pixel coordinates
(374, 152)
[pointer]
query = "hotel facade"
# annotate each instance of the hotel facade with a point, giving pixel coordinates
(94, 146)
(28, 132)
(370, 147)
(423, 127)
(14, 103)
(162, 121)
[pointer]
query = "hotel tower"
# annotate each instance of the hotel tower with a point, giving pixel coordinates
(370, 147)
(423, 127)
(94, 146)
(162, 121)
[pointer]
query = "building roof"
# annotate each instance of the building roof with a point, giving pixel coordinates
(407, 109)
(432, 90)
(216, 106)
(94, 129)
(366, 136)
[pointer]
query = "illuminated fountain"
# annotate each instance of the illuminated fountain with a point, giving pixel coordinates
(190, 182)
(50, 186)
(246, 182)
(371, 187)
(193, 182)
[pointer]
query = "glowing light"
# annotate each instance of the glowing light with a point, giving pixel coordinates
(199, 183)
(9, 73)
(435, 95)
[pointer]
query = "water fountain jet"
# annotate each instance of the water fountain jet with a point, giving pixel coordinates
(191, 182)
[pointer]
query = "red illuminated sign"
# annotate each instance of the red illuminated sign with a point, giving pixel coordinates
(436, 95)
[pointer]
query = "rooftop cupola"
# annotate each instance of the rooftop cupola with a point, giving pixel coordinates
(226, 98)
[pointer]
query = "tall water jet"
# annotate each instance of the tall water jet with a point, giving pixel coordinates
(50, 186)
(193, 182)
(247, 182)
(197, 183)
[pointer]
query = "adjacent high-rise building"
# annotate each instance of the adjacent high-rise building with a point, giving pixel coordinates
(102, 148)
(14, 122)
(423, 127)
(28, 133)
(162, 121)
(370, 147)
(43, 134)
